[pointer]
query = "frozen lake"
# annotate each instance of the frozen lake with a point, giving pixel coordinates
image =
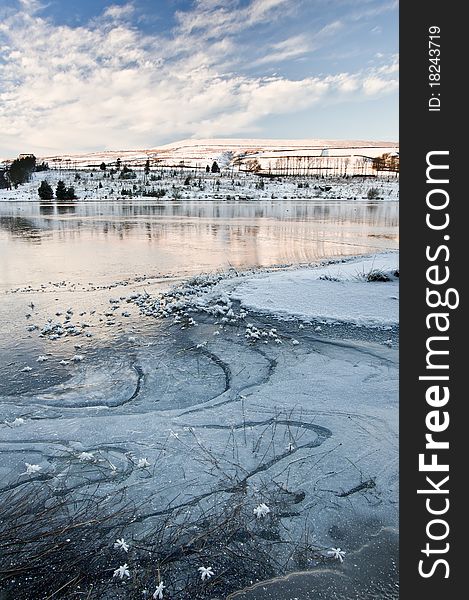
(116, 392)
(106, 241)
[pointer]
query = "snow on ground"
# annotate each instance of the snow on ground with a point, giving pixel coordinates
(338, 292)
(362, 291)
(94, 184)
(198, 153)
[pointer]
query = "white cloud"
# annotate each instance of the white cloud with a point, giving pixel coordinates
(299, 45)
(375, 85)
(31, 6)
(390, 68)
(295, 46)
(213, 19)
(118, 11)
(107, 85)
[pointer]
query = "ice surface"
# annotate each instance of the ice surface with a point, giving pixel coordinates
(302, 419)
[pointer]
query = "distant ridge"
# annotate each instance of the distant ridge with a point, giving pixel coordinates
(280, 156)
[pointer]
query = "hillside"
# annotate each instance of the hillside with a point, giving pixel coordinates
(310, 156)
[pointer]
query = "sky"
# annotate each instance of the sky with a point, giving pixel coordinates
(89, 75)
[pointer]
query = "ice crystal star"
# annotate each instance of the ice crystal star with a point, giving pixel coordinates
(121, 544)
(31, 469)
(337, 553)
(158, 593)
(122, 571)
(262, 510)
(205, 572)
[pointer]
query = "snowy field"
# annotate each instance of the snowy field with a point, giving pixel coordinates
(94, 184)
(270, 154)
(246, 422)
(339, 292)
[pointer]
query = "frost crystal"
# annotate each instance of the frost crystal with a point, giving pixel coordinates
(261, 511)
(31, 469)
(205, 572)
(121, 544)
(122, 571)
(158, 593)
(337, 553)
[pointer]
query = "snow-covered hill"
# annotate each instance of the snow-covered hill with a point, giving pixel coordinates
(276, 156)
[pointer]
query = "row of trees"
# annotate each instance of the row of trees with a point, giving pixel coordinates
(386, 162)
(209, 169)
(62, 192)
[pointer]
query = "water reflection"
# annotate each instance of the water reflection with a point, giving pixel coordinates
(21, 227)
(46, 207)
(66, 208)
(106, 240)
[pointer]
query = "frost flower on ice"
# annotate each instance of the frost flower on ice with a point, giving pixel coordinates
(121, 545)
(261, 511)
(122, 571)
(205, 572)
(86, 456)
(41, 358)
(77, 358)
(31, 469)
(17, 422)
(336, 553)
(158, 593)
(295, 342)
(26, 369)
(142, 463)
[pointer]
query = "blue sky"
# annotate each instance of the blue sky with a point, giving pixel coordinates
(83, 75)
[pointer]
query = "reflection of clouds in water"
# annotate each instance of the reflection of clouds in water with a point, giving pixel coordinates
(383, 214)
(102, 241)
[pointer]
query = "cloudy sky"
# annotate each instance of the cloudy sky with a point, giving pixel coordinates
(83, 75)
